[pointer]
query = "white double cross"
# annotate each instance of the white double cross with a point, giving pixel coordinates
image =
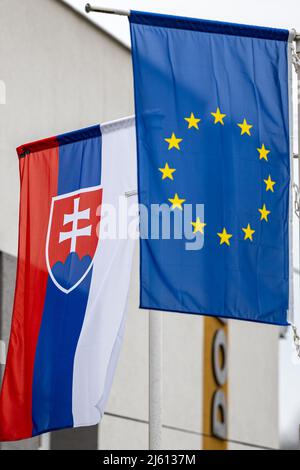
(75, 232)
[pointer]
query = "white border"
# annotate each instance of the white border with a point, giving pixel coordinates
(57, 198)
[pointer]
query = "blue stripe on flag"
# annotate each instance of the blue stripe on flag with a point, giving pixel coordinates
(79, 160)
(63, 316)
(53, 372)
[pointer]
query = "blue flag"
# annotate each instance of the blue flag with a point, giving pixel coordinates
(212, 111)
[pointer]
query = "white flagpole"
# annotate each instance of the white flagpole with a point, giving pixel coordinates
(155, 379)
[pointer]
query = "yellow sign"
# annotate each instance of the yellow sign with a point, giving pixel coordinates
(215, 413)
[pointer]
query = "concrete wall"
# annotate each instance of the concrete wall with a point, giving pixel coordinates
(61, 73)
(253, 384)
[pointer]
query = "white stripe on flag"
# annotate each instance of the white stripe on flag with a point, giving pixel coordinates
(102, 332)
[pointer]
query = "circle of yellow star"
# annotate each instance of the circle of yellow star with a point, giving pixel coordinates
(264, 213)
(218, 116)
(263, 152)
(248, 233)
(224, 237)
(193, 122)
(269, 184)
(245, 127)
(167, 172)
(198, 226)
(173, 142)
(176, 202)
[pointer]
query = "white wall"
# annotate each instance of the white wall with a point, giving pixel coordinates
(253, 384)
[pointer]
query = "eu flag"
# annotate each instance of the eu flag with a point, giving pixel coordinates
(212, 113)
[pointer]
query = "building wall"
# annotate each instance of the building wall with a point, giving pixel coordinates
(62, 73)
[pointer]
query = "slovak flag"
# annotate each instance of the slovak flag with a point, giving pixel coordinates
(72, 280)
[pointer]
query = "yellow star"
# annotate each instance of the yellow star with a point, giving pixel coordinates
(264, 213)
(173, 142)
(218, 116)
(263, 153)
(198, 226)
(248, 232)
(177, 202)
(269, 184)
(224, 237)
(167, 172)
(245, 127)
(193, 122)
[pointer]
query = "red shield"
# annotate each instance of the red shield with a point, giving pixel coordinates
(72, 237)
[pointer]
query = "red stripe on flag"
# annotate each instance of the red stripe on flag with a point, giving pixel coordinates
(39, 180)
(37, 146)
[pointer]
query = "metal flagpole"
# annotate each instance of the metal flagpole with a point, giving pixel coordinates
(112, 11)
(155, 379)
(297, 65)
(297, 40)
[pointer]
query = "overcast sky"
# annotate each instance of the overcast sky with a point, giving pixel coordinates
(276, 13)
